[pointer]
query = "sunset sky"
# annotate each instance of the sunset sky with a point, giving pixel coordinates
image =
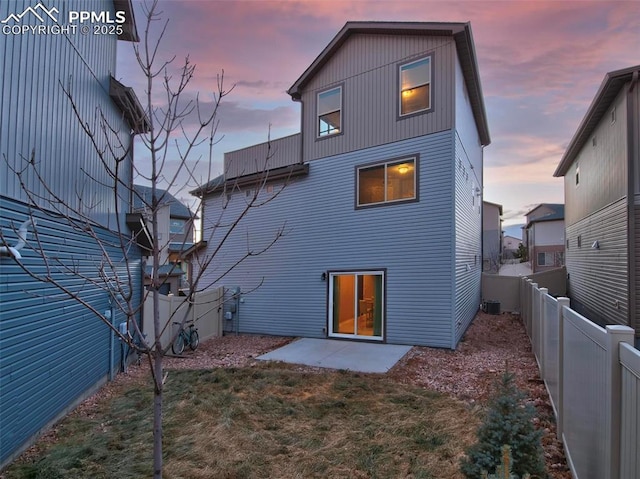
(540, 62)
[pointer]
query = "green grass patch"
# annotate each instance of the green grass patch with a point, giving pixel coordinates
(269, 421)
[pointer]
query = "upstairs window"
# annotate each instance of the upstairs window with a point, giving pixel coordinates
(176, 226)
(330, 112)
(388, 182)
(415, 86)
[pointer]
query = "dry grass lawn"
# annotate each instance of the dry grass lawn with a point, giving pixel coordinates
(264, 421)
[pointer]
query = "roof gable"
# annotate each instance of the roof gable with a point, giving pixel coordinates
(609, 89)
(177, 209)
(463, 38)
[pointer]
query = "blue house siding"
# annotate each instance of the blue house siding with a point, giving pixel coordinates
(468, 232)
(53, 350)
(467, 210)
(324, 232)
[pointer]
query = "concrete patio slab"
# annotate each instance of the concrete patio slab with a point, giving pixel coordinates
(331, 353)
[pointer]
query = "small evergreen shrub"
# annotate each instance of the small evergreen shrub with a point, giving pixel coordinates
(508, 421)
(503, 471)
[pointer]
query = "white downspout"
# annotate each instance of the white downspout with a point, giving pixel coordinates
(22, 239)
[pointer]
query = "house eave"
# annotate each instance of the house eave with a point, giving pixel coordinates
(126, 100)
(609, 88)
(220, 184)
(137, 224)
(129, 30)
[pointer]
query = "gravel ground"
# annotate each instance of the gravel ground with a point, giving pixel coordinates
(492, 344)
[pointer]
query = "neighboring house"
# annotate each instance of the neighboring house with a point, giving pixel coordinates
(381, 211)
(175, 235)
(544, 236)
(53, 350)
(491, 237)
(510, 246)
(602, 197)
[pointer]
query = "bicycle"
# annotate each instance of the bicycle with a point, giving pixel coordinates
(185, 337)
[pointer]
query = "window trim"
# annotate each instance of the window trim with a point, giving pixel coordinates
(183, 229)
(400, 115)
(341, 110)
(416, 181)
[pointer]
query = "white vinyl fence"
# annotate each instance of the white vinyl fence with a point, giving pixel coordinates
(206, 312)
(593, 378)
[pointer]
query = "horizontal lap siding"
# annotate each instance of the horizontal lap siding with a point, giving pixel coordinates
(598, 278)
(325, 232)
(468, 206)
(52, 349)
(468, 237)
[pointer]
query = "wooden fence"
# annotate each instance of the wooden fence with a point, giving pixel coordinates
(593, 378)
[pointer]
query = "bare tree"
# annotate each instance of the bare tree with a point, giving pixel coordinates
(171, 134)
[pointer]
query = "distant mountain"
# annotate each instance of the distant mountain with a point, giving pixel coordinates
(513, 230)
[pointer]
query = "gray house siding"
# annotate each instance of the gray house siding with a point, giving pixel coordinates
(598, 282)
(468, 211)
(257, 158)
(53, 350)
(325, 232)
(602, 167)
(33, 106)
(367, 68)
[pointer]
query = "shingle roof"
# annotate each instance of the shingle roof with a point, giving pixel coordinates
(556, 215)
(143, 194)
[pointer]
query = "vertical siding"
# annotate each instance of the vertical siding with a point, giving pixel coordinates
(52, 349)
(603, 167)
(36, 116)
(264, 156)
(367, 67)
(325, 232)
(598, 282)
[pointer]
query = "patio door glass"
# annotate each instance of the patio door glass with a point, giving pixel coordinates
(356, 302)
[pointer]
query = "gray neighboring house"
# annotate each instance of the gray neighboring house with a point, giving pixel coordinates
(491, 237)
(382, 203)
(602, 204)
(544, 236)
(510, 245)
(175, 235)
(53, 350)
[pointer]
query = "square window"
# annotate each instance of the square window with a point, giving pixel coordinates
(330, 112)
(388, 182)
(176, 226)
(415, 86)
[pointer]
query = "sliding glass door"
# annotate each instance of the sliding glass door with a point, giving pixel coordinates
(356, 304)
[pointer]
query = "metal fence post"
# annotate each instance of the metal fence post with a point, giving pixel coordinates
(562, 302)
